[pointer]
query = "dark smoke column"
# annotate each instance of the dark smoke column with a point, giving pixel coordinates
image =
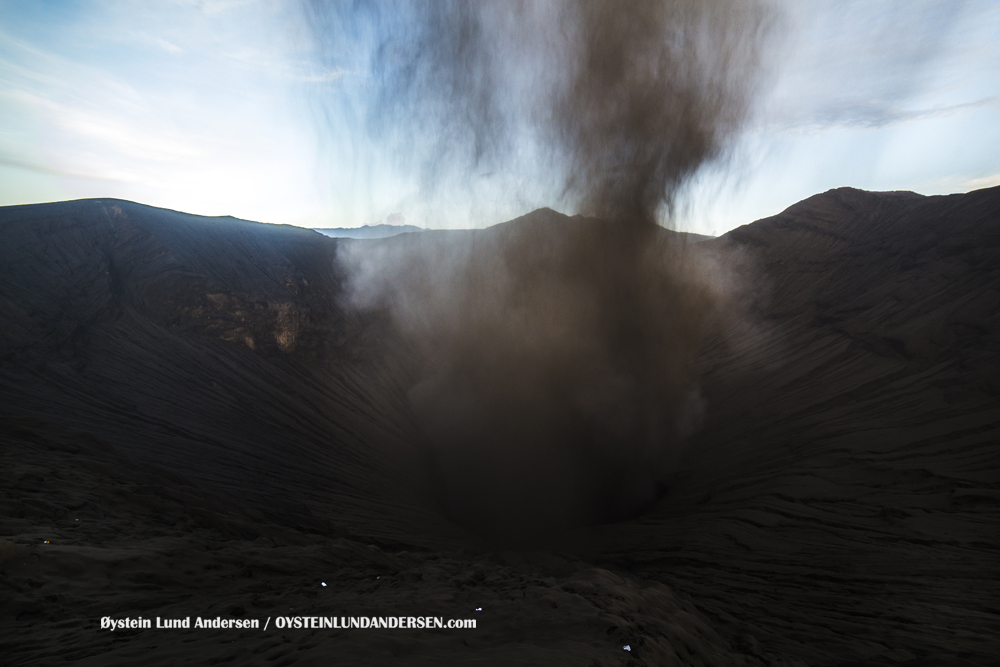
(557, 356)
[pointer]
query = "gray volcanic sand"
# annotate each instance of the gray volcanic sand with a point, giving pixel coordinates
(199, 426)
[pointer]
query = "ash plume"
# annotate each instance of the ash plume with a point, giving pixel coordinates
(556, 378)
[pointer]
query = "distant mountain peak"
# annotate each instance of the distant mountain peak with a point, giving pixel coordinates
(376, 231)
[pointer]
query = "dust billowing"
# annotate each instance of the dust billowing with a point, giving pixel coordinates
(556, 377)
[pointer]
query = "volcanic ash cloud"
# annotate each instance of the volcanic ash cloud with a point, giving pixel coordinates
(556, 378)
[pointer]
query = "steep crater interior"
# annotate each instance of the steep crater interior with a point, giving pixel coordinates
(202, 402)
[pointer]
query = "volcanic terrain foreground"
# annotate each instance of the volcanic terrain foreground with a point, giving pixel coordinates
(195, 422)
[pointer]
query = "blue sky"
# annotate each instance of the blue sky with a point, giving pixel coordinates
(218, 107)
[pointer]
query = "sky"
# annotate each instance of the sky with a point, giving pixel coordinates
(221, 107)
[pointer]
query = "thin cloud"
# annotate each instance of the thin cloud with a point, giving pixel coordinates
(277, 64)
(325, 76)
(872, 115)
(30, 68)
(28, 164)
(154, 40)
(121, 136)
(980, 183)
(874, 65)
(215, 7)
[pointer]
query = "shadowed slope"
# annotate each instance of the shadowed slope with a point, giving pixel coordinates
(214, 347)
(839, 507)
(245, 439)
(843, 503)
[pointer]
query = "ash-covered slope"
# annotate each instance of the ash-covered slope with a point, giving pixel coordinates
(842, 504)
(244, 441)
(214, 347)
(228, 433)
